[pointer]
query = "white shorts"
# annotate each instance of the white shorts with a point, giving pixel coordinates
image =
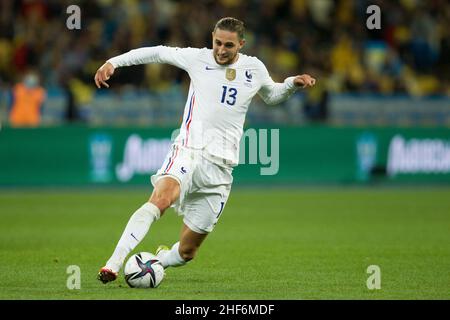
(205, 187)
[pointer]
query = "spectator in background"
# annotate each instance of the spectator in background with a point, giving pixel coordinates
(415, 35)
(27, 100)
(315, 107)
(71, 112)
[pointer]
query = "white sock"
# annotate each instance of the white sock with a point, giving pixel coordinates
(171, 258)
(134, 232)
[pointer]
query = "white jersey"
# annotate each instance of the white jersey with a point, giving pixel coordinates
(219, 96)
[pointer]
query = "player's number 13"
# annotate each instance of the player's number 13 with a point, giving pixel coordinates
(229, 95)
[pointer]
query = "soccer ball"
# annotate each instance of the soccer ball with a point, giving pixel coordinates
(143, 270)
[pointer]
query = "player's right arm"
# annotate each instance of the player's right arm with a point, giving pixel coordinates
(179, 57)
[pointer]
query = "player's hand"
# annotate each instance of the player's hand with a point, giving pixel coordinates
(304, 81)
(103, 74)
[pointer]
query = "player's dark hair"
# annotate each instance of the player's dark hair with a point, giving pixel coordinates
(232, 25)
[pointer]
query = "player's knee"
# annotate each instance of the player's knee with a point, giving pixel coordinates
(161, 201)
(165, 193)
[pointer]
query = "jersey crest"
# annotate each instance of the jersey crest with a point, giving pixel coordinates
(230, 74)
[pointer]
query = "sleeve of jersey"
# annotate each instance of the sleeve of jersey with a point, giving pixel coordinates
(179, 57)
(273, 92)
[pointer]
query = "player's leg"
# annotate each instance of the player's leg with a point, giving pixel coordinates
(184, 250)
(202, 209)
(166, 191)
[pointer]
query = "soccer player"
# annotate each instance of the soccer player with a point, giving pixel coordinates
(196, 175)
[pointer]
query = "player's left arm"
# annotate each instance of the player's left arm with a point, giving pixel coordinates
(304, 81)
(274, 92)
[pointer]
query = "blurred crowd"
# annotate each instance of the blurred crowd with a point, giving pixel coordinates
(410, 54)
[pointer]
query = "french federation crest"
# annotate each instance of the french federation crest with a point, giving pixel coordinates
(248, 75)
(230, 74)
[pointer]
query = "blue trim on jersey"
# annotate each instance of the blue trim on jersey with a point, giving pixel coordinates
(190, 109)
(170, 159)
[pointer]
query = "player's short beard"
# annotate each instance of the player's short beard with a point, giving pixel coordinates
(229, 60)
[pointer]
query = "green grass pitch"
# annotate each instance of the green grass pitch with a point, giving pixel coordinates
(306, 243)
